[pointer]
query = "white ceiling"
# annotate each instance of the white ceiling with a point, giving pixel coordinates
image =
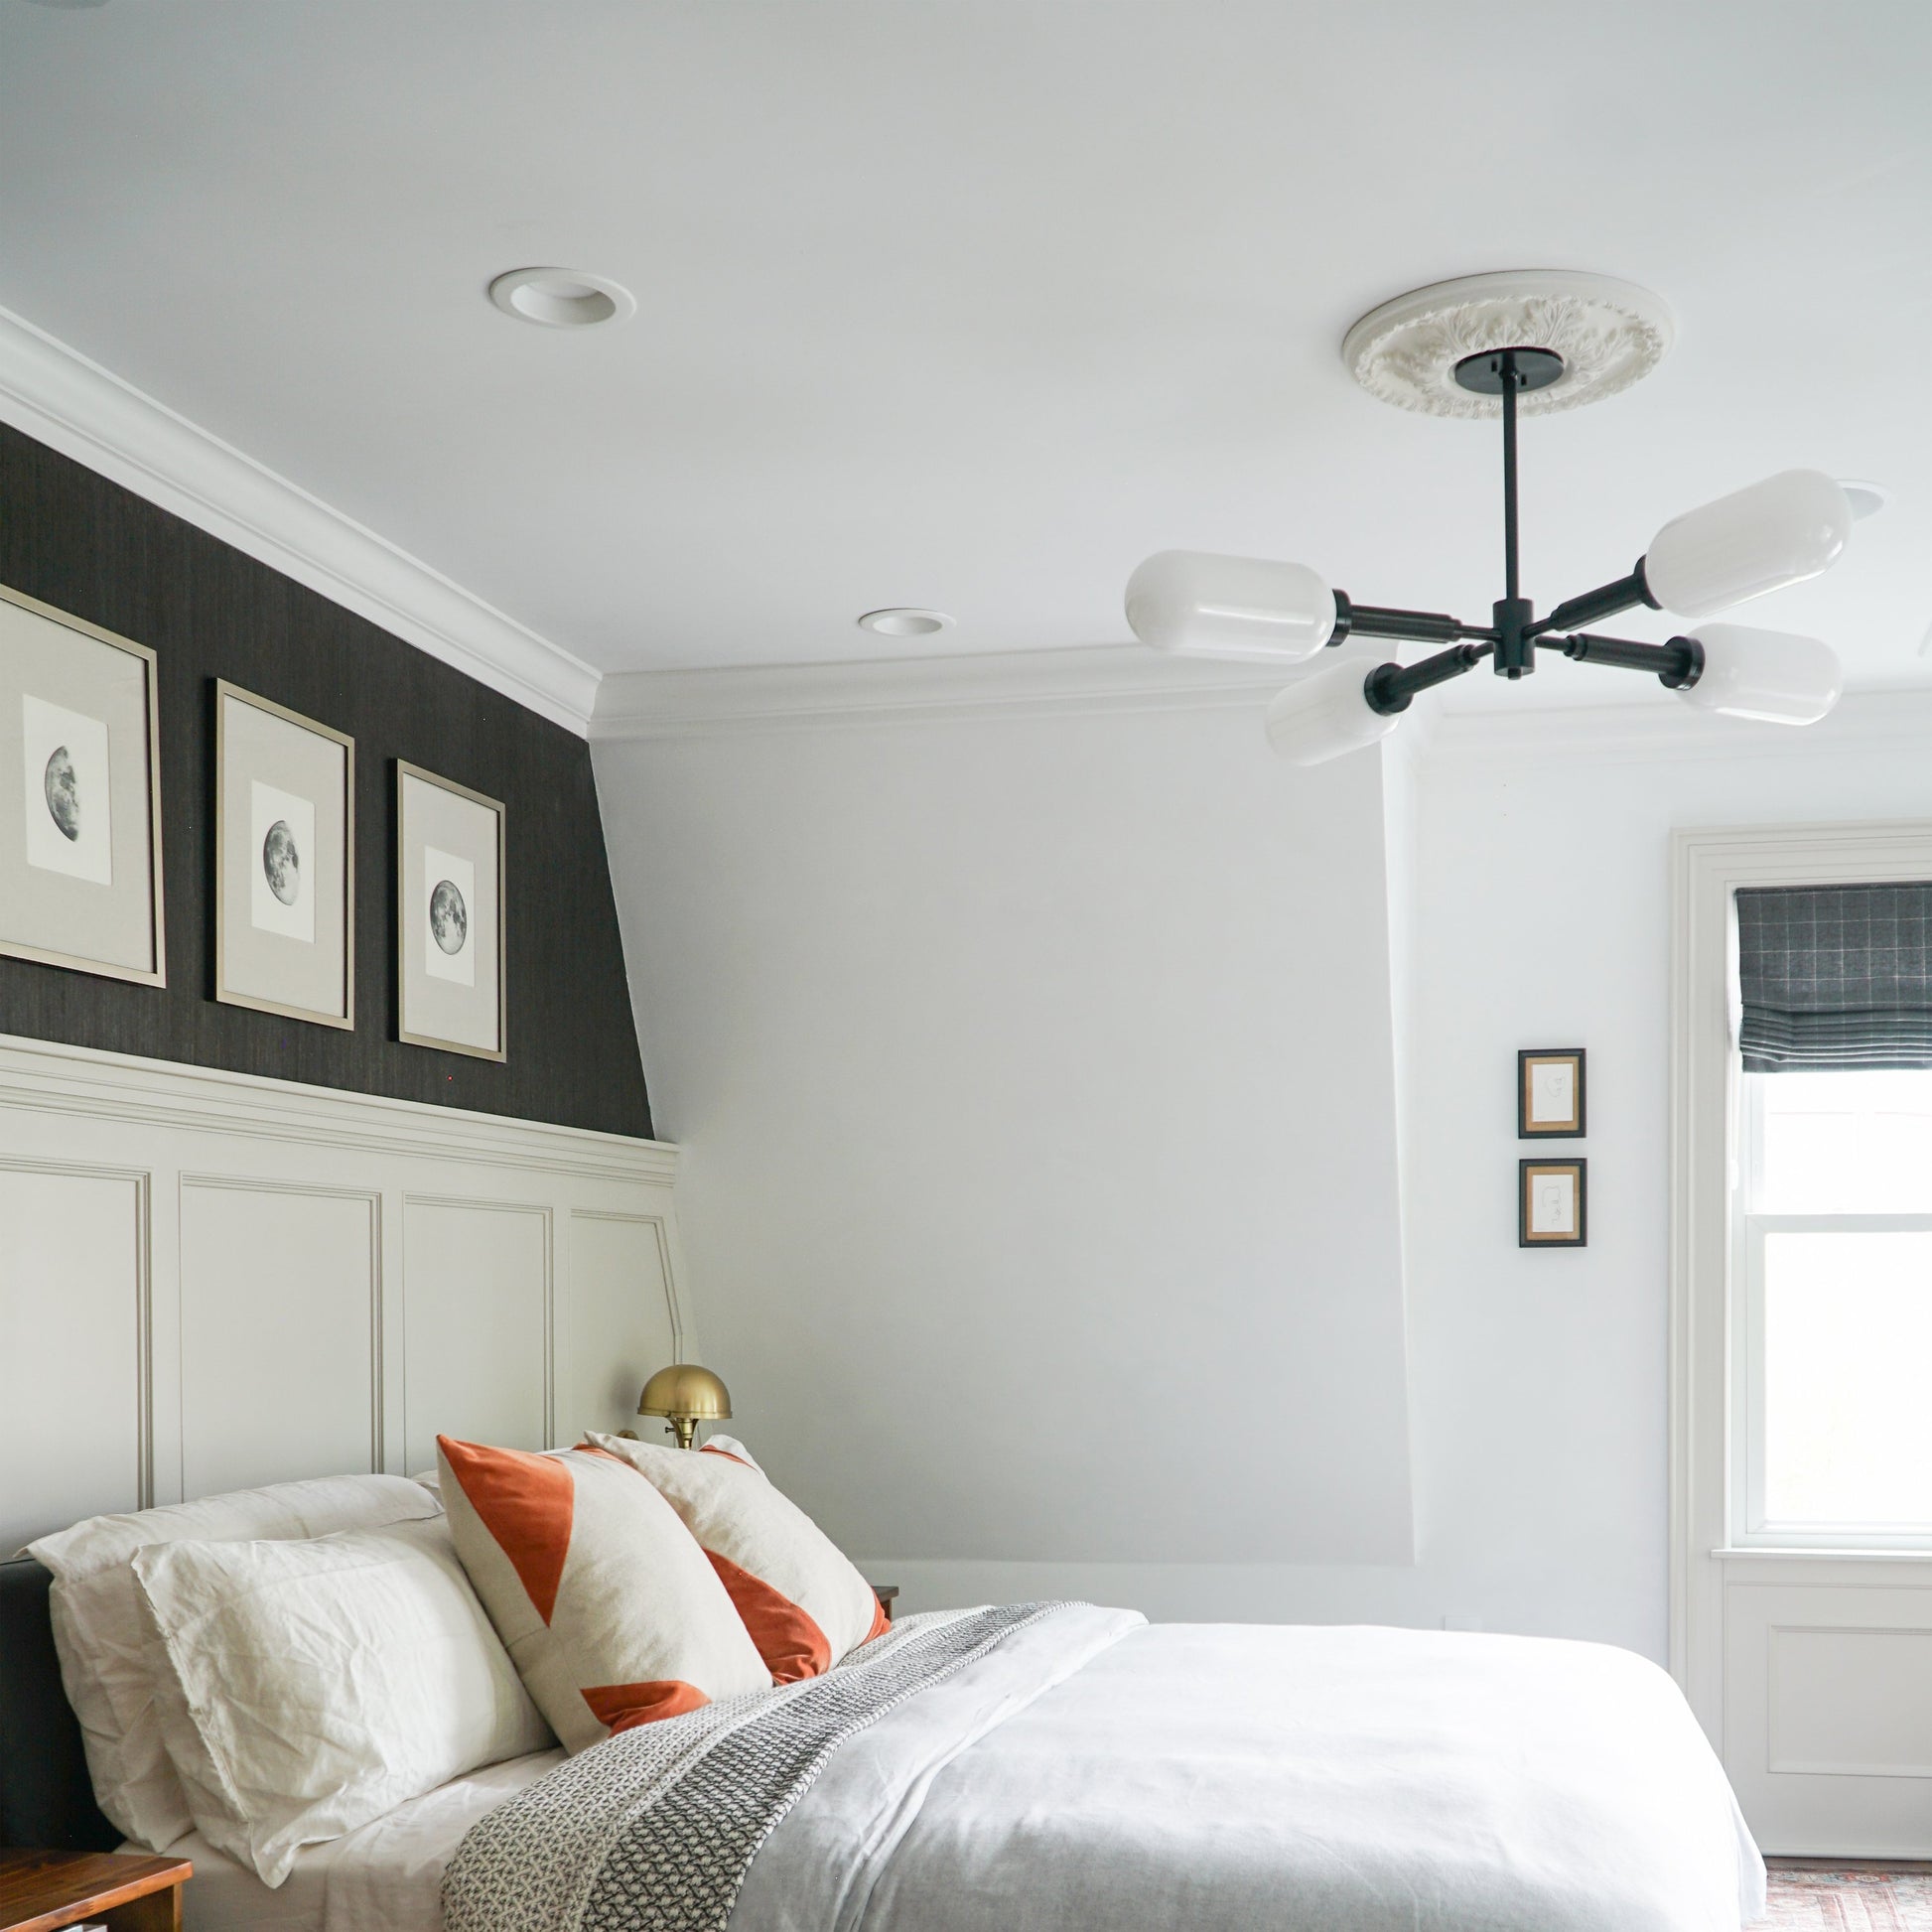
(972, 306)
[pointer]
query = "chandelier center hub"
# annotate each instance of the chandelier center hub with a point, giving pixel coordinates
(1533, 369)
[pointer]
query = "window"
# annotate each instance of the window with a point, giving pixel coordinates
(1834, 1240)
(1831, 1217)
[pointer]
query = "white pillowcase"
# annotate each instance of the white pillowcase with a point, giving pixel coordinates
(102, 1641)
(312, 1687)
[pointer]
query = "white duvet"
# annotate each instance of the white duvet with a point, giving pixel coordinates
(1097, 1774)
(1227, 1777)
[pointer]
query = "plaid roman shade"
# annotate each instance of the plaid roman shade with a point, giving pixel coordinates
(1835, 976)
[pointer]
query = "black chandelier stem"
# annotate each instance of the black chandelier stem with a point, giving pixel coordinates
(1511, 582)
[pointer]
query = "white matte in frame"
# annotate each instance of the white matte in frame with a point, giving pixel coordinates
(414, 904)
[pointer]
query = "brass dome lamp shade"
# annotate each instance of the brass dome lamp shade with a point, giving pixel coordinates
(685, 1395)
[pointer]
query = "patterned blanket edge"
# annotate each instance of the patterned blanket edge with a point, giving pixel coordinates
(655, 1830)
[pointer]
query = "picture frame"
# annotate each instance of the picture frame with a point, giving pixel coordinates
(1552, 1085)
(452, 924)
(1553, 1204)
(81, 836)
(284, 883)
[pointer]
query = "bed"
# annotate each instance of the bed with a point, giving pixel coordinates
(1036, 1767)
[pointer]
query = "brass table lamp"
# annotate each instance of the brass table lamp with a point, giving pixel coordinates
(685, 1395)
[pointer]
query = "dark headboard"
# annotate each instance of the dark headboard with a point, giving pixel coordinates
(46, 1800)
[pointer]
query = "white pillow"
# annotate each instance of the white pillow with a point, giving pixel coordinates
(102, 1639)
(312, 1687)
(803, 1603)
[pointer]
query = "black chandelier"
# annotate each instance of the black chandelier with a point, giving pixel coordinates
(1778, 533)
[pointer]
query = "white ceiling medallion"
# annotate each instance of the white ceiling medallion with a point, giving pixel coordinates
(562, 298)
(1610, 334)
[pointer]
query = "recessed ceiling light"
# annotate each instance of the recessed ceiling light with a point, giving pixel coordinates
(1866, 498)
(904, 624)
(561, 298)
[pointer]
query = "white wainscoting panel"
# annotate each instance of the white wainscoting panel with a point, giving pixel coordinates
(477, 1324)
(73, 1281)
(624, 1320)
(281, 1332)
(1824, 1722)
(211, 1280)
(1828, 1714)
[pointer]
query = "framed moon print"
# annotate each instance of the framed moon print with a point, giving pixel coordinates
(1552, 1204)
(284, 861)
(449, 915)
(80, 795)
(1550, 1093)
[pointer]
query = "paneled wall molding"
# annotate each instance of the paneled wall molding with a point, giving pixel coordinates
(55, 393)
(210, 1281)
(48, 1076)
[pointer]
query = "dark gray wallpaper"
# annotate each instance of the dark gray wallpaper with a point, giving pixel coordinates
(82, 544)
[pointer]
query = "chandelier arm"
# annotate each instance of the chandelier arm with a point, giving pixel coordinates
(1677, 666)
(1577, 612)
(1389, 687)
(1411, 626)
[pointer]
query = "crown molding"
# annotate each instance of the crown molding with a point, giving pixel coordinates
(1665, 732)
(55, 394)
(1099, 679)
(50, 1077)
(901, 690)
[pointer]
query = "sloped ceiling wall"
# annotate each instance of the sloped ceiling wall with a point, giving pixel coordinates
(1034, 1080)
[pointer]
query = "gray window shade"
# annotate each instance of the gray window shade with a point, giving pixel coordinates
(1835, 976)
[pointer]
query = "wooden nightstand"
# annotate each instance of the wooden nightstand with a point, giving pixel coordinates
(43, 1891)
(885, 1592)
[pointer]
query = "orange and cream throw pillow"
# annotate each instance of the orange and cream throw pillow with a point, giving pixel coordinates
(607, 1606)
(801, 1600)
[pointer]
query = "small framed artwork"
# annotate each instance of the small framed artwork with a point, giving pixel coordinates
(1550, 1093)
(80, 795)
(1553, 1208)
(451, 964)
(284, 861)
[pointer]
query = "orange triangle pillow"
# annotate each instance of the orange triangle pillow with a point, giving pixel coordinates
(607, 1606)
(800, 1596)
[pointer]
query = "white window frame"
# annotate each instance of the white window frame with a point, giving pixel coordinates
(1708, 1312)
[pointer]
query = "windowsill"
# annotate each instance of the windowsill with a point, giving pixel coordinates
(1813, 1553)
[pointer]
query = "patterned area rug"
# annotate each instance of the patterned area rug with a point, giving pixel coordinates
(1851, 1902)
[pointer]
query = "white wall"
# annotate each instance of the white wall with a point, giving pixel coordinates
(1544, 920)
(1034, 1083)
(1018, 1061)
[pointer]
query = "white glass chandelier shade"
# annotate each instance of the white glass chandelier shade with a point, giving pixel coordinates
(1770, 675)
(1324, 716)
(1203, 606)
(1778, 533)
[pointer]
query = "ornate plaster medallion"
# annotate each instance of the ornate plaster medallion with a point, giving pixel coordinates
(1610, 333)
